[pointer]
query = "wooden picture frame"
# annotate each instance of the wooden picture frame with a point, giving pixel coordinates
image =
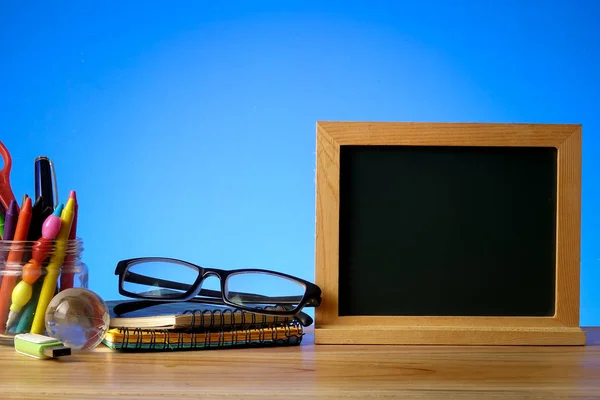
(560, 329)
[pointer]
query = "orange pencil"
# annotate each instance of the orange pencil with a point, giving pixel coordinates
(14, 256)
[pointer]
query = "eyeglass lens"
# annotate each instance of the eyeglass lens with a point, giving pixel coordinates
(251, 289)
(151, 279)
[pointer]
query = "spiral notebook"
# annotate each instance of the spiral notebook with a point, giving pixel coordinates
(183, 315)
(125, 339)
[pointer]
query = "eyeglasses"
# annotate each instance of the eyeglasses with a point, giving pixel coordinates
(157, 280)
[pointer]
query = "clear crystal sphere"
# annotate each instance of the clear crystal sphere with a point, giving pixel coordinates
(77, 317)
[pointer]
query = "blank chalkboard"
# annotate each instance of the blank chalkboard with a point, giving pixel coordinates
(448, 233)
(447, 230)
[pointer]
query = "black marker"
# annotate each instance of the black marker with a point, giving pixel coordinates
(45, 183)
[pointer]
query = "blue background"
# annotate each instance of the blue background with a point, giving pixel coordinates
(188, 130)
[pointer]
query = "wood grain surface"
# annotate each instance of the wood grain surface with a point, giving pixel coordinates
(312, 371)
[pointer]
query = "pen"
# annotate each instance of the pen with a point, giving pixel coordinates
(21, 294)
(14, 257)
(66, 278)
(53, 268)
(43, 176)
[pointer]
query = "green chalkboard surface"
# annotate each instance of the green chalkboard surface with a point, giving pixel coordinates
(447, 231)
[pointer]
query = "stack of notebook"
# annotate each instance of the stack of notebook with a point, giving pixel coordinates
(184, 326)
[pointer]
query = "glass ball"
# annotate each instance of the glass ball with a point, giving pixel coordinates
(77, 317)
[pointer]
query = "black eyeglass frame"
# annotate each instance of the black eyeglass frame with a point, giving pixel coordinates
(311, 297)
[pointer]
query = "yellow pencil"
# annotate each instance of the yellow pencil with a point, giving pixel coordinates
(53, 268)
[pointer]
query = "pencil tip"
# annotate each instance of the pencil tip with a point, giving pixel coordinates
(12, 207)
(58, 209)
(26, 203)
(73, 195)
(11, 318)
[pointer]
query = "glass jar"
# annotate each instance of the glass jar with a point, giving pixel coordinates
(31, 274)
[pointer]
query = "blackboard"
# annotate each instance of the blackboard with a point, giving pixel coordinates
(448, 233)
(447, 230)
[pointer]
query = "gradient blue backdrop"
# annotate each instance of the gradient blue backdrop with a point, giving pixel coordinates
(188, 130)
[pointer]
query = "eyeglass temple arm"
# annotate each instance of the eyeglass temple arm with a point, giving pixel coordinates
(130, 306)
(245, 297)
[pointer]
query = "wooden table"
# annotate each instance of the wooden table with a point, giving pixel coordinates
(309, 371)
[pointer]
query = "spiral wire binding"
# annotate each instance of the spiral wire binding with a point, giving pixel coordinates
(215, 319)
(206, 323)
